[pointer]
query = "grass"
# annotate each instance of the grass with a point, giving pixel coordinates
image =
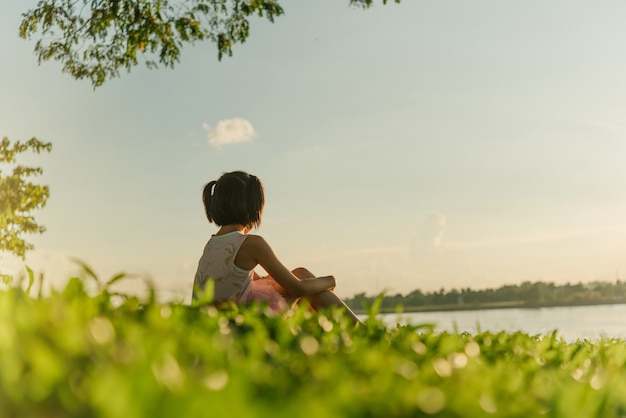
(75, 353)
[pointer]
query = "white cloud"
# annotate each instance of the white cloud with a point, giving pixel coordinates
(430, 235)
(436, 263)
(230, 131)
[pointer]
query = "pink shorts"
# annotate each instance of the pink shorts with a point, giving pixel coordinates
(268, 290)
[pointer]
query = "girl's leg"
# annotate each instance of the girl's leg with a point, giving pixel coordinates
(326, 298)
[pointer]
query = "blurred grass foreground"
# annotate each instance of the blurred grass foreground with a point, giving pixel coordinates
(77, 352)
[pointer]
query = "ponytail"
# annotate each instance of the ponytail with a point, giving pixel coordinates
(207, 195)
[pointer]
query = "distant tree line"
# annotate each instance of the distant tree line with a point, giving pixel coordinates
(526, 294)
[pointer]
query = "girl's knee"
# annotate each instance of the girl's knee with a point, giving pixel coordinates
(302, 273)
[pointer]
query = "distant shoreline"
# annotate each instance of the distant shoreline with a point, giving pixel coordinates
(489, 306)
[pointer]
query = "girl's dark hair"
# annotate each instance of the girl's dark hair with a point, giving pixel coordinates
(235, 198)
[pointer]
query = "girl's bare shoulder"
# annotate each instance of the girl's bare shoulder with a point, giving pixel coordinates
(257, 245)
(255, 241)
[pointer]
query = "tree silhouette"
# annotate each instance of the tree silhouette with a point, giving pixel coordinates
(95, 39)
(18, 196)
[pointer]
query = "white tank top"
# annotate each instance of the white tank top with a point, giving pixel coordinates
(218, 264)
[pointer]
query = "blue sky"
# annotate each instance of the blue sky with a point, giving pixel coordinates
(421, 145)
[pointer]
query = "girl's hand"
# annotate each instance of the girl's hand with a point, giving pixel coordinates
(331, 280)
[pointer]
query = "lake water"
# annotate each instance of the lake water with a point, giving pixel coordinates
(584, 322)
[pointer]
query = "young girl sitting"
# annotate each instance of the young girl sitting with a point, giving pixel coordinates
(235, 203)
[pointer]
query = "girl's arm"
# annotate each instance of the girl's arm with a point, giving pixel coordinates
(256, 250)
